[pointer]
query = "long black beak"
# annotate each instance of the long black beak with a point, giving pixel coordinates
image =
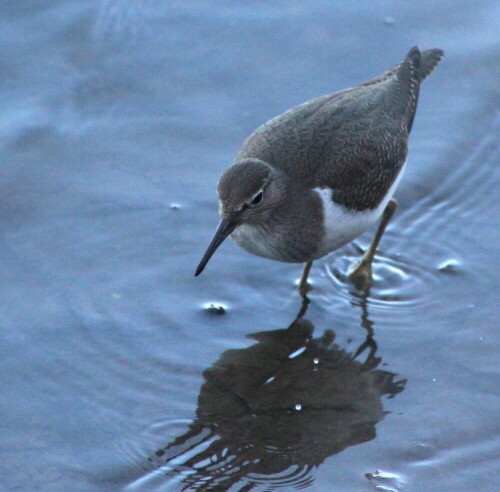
(223, 230)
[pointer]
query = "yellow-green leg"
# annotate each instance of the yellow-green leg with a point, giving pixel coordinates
(361, 272)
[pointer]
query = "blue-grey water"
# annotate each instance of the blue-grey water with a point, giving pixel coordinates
(117, 117)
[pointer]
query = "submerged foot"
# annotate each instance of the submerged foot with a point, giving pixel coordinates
(360, 274)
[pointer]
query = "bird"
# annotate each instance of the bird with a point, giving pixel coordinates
(316, 177)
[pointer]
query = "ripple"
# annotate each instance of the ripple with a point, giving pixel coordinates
(136, 451)
(298, 477)
(397, 281)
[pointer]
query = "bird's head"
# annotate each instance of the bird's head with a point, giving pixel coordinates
(248, 193)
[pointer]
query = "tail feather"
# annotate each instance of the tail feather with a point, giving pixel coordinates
(411, 73)
(423, 62)
(428, 61)
(408, 74)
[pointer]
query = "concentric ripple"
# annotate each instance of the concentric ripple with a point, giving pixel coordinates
(295, 476)
(397, 281)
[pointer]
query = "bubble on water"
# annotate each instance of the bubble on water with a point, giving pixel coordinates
(386, 480)
(449, 266)
(214, 308)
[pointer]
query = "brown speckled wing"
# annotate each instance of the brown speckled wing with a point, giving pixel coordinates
(353, 141)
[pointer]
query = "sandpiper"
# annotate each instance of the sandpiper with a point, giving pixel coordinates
(317, 176)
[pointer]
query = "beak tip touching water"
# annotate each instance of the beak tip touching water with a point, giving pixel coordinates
(223, 230)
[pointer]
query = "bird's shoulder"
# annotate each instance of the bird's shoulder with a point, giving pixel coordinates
(331, 132)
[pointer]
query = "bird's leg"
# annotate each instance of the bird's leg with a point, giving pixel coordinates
(303, 307)
(361, 272)
(304, 287)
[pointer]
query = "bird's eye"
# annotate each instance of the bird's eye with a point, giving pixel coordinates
(258, 198)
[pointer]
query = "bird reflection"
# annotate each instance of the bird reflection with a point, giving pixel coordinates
(270, 413)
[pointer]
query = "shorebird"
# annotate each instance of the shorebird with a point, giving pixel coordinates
(319, 175)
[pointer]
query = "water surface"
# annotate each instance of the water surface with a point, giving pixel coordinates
(118, 117)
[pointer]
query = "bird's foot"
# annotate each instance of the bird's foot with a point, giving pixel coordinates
(360, 274)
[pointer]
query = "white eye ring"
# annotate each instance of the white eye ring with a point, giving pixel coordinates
(257, 198)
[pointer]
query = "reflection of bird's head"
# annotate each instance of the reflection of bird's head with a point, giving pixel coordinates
(290, 400)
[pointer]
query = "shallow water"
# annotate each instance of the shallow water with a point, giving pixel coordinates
(118, 117)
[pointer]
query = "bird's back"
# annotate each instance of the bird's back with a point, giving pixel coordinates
(348, 140)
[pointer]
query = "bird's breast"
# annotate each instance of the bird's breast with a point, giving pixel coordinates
(261, 241)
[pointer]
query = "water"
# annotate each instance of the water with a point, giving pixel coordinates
(120, 370)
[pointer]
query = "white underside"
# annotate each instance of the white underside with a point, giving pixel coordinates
(343, 225)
